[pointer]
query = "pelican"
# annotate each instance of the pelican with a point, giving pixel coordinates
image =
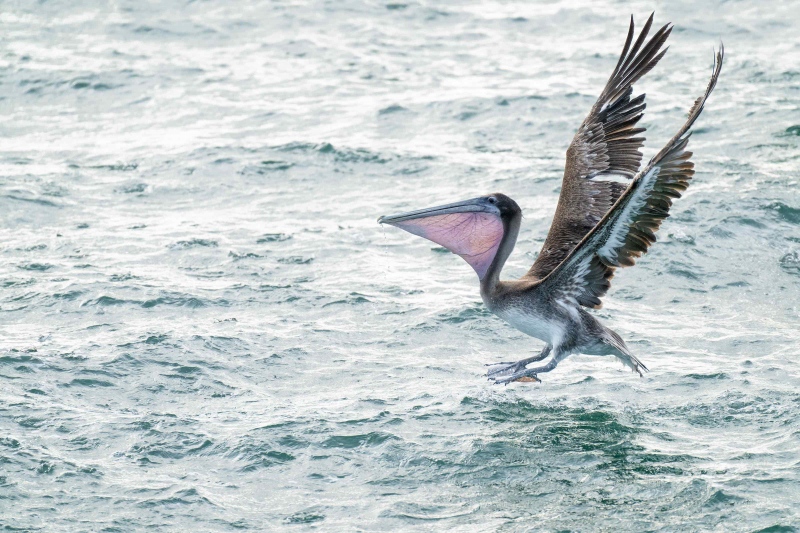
(599, 225)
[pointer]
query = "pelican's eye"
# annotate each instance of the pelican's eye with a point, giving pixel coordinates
(492, 200)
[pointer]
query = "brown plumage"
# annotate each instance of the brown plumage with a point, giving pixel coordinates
(628, 229)
(606, 144)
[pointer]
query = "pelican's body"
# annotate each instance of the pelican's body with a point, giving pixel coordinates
(599, 224)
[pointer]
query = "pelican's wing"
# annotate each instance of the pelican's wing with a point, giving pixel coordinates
(606, 145)
(628, 229)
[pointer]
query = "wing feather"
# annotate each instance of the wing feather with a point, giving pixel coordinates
(627, 231)
(606, 144)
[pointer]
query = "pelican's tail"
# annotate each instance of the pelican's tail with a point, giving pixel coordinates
(620, 349)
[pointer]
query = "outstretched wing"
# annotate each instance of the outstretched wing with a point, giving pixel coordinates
(628, 229)
(607, 144)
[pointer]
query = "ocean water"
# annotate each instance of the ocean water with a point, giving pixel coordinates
(202, 327)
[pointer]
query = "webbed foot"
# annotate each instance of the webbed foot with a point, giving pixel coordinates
(524, 376)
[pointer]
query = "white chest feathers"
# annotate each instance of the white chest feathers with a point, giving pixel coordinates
(534, 325)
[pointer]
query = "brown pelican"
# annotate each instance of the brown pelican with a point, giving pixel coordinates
(599, 224)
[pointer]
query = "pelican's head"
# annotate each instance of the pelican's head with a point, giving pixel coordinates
(472, 229)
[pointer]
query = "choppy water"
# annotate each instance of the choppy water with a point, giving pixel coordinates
(203, 327)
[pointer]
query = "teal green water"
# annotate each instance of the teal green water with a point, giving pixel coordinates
(203, 327)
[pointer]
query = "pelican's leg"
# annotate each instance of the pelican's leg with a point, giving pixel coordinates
(530, 374)
(512, 367)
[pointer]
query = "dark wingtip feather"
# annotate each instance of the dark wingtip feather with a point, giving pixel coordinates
(634, 61)
(697, 108)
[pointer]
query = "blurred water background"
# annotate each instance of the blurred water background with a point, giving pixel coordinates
(202, 326)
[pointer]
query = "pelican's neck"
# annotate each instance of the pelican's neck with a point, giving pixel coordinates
(491, 279)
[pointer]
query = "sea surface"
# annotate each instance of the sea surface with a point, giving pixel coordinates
(203, 328)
